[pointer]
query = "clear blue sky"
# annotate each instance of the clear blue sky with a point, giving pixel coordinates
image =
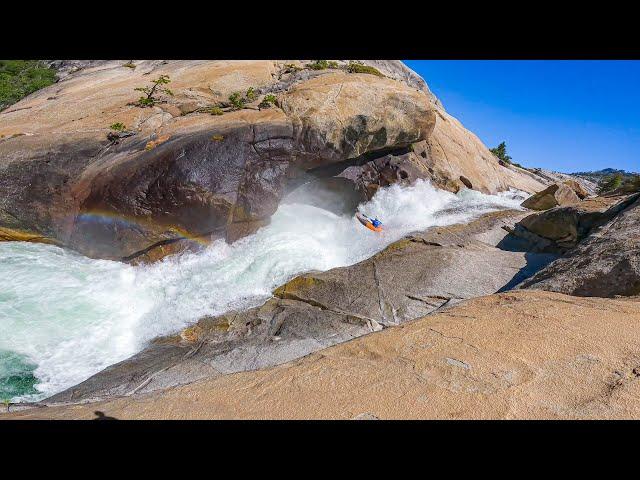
(562, 115)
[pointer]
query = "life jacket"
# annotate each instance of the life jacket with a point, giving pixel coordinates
(371, 223)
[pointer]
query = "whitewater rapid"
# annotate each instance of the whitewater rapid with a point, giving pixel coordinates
(65, 317)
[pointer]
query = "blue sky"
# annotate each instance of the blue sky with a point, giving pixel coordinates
(562, 115)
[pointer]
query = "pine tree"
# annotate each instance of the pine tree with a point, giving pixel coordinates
(501, 152)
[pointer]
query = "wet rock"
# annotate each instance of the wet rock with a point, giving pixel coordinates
(403, 168)
(335, 194)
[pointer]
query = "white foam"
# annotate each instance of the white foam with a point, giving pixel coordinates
(73, 316)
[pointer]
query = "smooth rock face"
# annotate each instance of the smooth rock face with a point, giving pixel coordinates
(409, 279)
(605, 264)
(453, 152)
(515, 355)
(558, 194)
(179, 172)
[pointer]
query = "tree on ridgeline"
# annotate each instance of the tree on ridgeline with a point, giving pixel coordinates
(501, 152)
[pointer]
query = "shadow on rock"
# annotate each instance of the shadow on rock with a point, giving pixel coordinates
(101, 416)
(535, 261)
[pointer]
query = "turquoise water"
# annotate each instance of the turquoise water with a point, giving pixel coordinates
(65, 317)
(18, 381)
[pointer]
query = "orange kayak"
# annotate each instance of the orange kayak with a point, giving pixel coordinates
(364, 220)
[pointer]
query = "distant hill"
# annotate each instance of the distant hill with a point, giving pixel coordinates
(612, 180)
(597, 175)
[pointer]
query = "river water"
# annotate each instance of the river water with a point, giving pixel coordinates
(65, 317)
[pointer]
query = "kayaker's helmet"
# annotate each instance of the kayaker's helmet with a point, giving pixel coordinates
(376, 222)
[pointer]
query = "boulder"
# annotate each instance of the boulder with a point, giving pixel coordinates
(560, 229)
(558, 194)
(605, 264)
(548, 176)
(403, 167)
(577, 187)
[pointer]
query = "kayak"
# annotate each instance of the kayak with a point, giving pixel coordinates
(366, 221)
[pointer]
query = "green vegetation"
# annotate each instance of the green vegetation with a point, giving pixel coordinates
(322, 65)
(267, 101)
(237, 100)
(355, 67)
(251, 94)
(19, 78)
(151, 99)
(501, 152)
(626, 183)
(318, 65)
(215, 111)
(610, 183)
(118, 127)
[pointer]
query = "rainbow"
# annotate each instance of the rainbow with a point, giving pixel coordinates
(125, 221)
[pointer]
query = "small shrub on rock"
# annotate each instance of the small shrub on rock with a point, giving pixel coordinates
(318, 65)
(237, 101)
(268, 101)
(152, 91)
(355, 67)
